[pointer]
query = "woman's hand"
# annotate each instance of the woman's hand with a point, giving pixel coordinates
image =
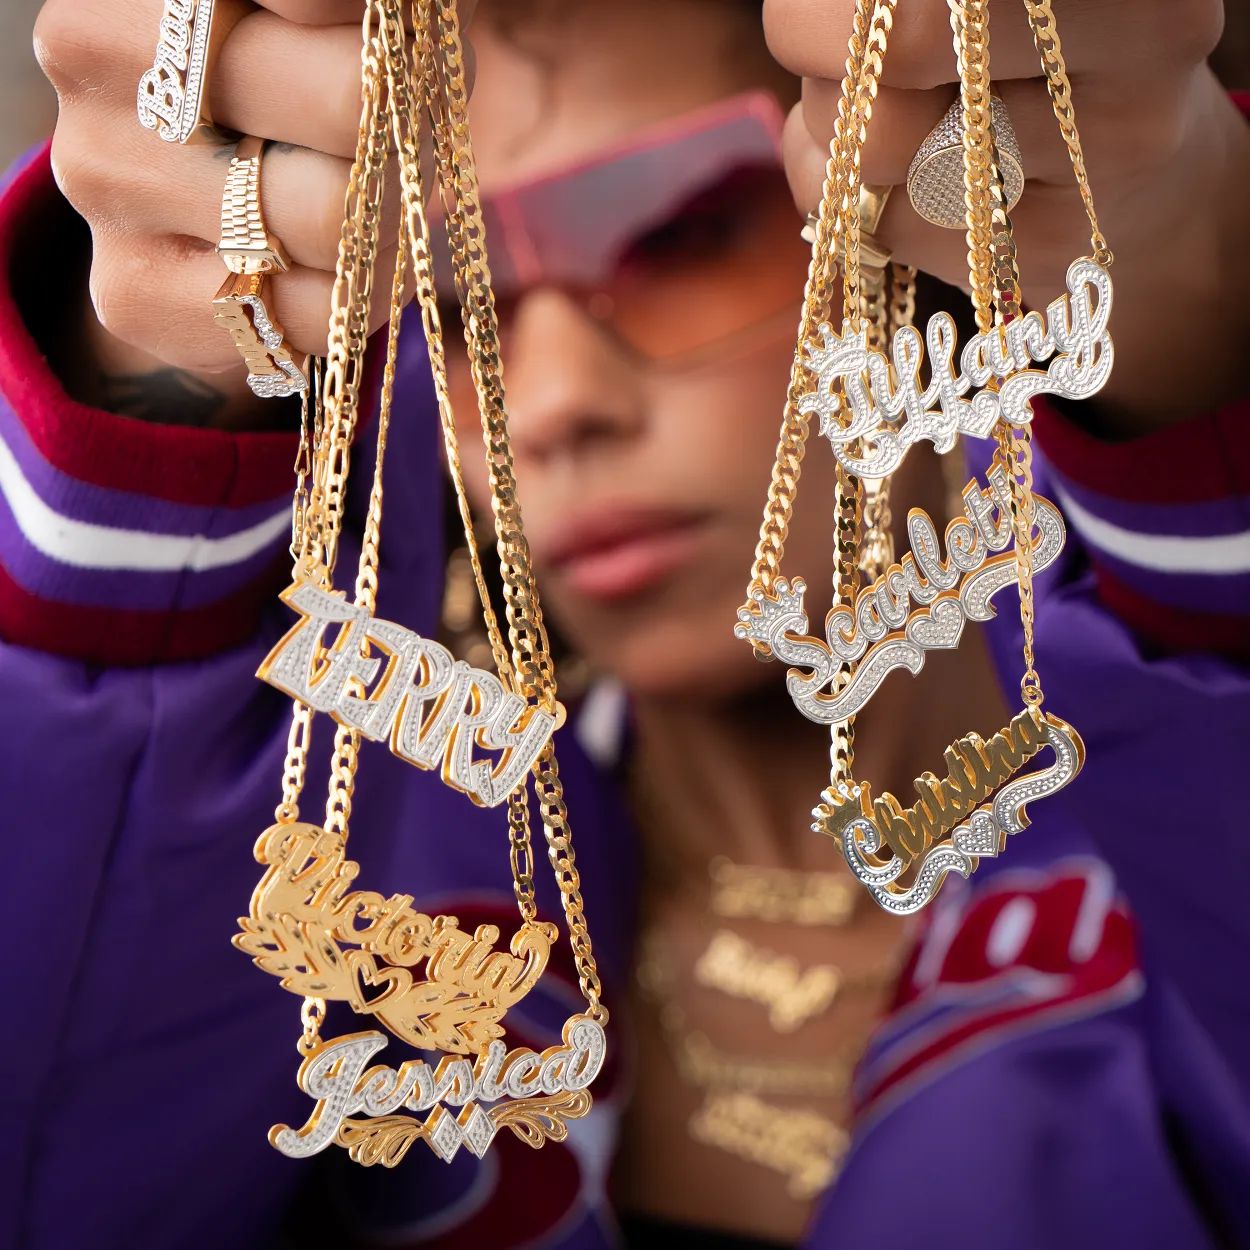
(1168, 158)
(289, 72)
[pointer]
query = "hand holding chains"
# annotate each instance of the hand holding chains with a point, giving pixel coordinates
(420, 977)
(871, 406)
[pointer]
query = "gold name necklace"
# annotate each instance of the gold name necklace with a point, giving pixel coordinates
(872, 408)
(418, 976)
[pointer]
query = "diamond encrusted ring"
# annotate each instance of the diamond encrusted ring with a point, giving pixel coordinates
(173, 94)
(935, 178)
(251, 254)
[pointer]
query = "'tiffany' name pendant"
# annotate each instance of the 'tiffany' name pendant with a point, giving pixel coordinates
(887, 419)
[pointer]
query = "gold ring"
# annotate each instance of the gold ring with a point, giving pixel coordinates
(873, 254)
(173, 94)
(246, 245)
(935, 178)
(251, 254)
(273, 372)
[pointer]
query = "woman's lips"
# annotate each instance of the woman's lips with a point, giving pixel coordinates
(612, 554)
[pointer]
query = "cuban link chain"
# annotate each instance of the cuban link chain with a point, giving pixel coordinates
(871, 30)
(406, 125)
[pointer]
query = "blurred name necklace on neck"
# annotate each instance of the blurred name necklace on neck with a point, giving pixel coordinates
(804, 1146)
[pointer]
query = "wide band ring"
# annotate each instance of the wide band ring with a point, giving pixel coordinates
(935, 178)
(173, 94)
(246, 245)
(251, 254)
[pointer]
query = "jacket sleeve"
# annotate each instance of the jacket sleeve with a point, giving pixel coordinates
(1165, 523)
(139, 759)
(1143, 636)
(123, 542)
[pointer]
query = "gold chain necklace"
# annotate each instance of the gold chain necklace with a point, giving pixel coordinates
(872, 408)
(427, 982)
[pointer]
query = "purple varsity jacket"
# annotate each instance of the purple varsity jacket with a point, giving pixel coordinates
(1068, 1061)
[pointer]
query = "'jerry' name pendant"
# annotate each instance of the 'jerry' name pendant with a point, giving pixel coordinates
(966, 815)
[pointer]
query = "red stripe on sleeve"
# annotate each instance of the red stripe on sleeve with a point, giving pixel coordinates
(1169, 629)
(1143, 470)
(110, 637)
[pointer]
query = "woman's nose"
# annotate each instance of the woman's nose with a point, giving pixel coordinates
(570, 387)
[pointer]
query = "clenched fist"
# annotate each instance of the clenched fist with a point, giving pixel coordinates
(289, 71)
(1168, 157)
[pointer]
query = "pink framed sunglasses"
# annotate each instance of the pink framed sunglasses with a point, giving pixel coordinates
(681, 239)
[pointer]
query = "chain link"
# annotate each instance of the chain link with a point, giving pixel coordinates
(293, 770)
(848, 520)
(887, 301)
(311, 1015)
(866, 47)
(996, 287)
(1015, 452)
(970, 25)
(444, 67)
(406, 126)
(530, 672)
(351, 301)
(407, 132)
(1046, 40)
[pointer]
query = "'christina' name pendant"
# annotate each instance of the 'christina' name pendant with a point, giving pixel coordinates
(902, 855)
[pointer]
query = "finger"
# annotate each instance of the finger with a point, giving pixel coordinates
(809, 37)
(318, 12)
(1048, 221)
(157, 296)
(343, 12)
(308, 93)
(1126, 125)
(170, 190)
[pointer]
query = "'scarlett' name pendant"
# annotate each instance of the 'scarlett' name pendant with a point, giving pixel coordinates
(918, 605)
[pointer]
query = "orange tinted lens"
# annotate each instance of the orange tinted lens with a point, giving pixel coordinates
(730, 258)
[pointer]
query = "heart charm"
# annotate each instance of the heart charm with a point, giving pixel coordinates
(939, 627)
(373, 985)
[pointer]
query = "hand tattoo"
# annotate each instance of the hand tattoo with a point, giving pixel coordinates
(168, 396)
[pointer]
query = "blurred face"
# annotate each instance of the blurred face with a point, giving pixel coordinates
(645, 414)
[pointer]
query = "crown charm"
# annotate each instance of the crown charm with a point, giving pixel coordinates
(771, 614)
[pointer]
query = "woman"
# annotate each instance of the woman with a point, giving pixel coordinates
(1042, 1079)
